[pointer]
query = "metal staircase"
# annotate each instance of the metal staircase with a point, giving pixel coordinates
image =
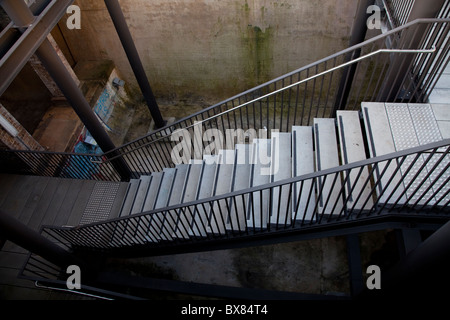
(311, 177)
(323, 162)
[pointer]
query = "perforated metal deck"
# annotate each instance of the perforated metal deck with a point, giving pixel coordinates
(100, 202)
(414, 125)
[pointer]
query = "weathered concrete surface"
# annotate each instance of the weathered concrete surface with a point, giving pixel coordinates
(209, 49)
(316, 266)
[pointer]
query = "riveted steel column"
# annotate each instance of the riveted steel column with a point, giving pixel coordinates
(121, 26)
(18, 9)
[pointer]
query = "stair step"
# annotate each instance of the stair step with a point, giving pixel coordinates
(129, 198)
(280, 169)
(149, 204)
(141, 194)
(175, 197)
(327, 157)
(159, 220)
(303, 163)
(260, 174)
(189, 194)
(223, 179)
(241, 180)
(205, 189)
(150, 200)
(178, 184)
(380, 143)
(352, 150)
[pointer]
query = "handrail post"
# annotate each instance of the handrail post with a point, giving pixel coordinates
(123, 31)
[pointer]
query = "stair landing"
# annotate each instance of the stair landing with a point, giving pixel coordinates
(392, 127)
(37, 201)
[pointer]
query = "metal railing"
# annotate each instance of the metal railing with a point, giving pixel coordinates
(398, 11)
(293, 99)
(312, 91)
(402, 183)
(410, 180)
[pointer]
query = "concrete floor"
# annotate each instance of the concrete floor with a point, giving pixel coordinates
(318, 266)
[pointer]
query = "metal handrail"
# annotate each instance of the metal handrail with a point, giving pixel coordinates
(432, 50)
(143, 160)
(296, 71)
(344, 169)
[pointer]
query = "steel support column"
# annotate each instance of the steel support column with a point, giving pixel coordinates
(358, 35)
(121, 26)
(354, 264)
(73, 94)
(18, 9)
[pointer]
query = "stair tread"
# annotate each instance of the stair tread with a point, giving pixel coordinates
(242, 168)
(159, 225)
(303, 163)
(327, 156)
(381, 142)
(205, 189)
(222, 185)
(149, 203)
(240, 181)
(353, 150)
(129, 198)
(190, 192)
(141, 194)
(260, 174)
(165, 187)
(280, 169)
(178, 184)
(176, 192)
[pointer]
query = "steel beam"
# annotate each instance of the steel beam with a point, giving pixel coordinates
(358, 35)
(121, 26)
(75, 97)
(58, 71)
(17, 47)
(354, 264)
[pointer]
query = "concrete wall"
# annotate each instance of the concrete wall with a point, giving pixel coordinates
(212, 49)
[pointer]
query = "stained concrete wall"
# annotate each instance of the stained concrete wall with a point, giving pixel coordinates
(212, 49)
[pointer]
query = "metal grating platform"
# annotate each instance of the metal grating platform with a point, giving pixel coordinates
(413, 125)
(100, 202)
